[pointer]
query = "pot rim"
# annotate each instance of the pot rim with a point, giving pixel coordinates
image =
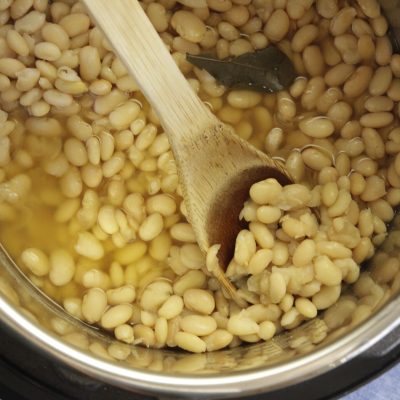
(243, 382)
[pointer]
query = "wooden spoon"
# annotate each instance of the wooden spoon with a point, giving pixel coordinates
(216, 167)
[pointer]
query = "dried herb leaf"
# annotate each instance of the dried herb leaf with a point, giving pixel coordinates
(267, 70)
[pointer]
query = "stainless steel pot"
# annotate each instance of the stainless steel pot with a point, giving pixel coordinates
(303, 354)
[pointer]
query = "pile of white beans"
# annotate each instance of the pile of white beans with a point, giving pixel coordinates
(90, 202)
(289, 258)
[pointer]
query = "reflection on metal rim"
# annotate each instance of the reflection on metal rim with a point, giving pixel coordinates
(222, 385)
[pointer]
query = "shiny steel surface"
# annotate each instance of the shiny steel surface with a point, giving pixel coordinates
(197, 386)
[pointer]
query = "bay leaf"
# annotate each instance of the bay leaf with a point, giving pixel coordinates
(268, 70)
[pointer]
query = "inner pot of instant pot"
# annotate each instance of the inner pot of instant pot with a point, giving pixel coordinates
(365, 313)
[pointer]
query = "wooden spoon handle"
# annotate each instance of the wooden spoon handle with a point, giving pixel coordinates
(146, 57)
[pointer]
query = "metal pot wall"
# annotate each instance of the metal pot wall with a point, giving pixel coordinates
(300, 356)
